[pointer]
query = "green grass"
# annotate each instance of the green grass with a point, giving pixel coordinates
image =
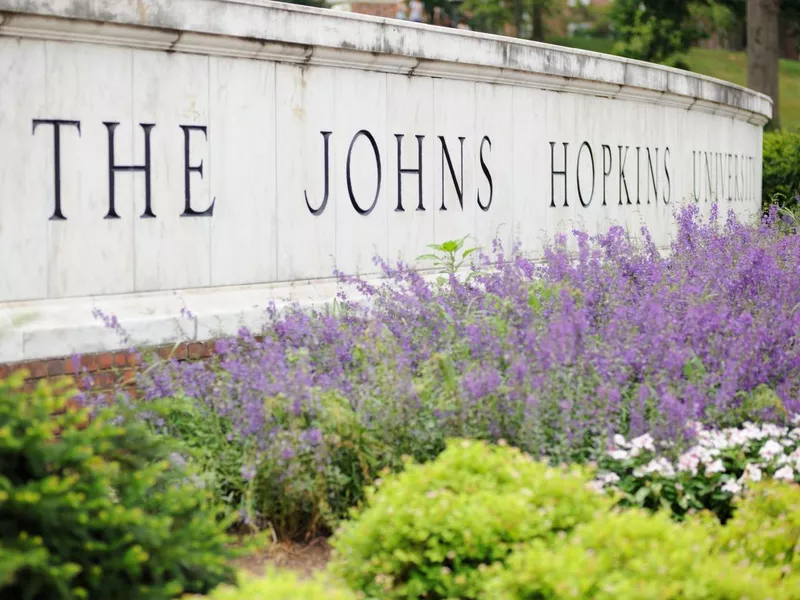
(729, 66)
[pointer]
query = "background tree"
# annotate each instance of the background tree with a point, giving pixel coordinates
(768, 22)
(655, 30)
(527, 17)
(490, 16)
(763, 51)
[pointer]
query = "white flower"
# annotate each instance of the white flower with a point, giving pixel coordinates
(714, 440)
(619, 454)
(715, 467)
(751, 473)
(775, 431)
(608, 478)
(658, 465)
(732, 487)
(770, 450)
(643, 442)
(620, 441)
(786, 474)
(688, 462)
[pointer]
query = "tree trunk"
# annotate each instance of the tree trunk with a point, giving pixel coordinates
(763, 50)
(518, 17)
(538, 22)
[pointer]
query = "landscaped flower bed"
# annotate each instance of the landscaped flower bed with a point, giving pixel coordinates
(626, 423)
(606, 336)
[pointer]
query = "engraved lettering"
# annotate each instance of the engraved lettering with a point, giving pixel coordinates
(488, 175)
(326, 155)
(578, 174)
(113, 168)
(457, 183)
(374, 145)
(553, 174)
(188, 211)
(401, 171)
(57, 215)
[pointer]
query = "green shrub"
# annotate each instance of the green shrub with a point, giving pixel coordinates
(433, 530)
(93, 509)
(765, 529)
(781, 170)
(280, 586)
(629, 555)
(297, 488)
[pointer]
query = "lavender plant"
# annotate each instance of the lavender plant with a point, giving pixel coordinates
(554, 356)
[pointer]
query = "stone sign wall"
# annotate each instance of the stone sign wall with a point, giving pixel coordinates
(212, 155)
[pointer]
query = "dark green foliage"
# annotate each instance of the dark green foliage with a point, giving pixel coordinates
(298, 494)
(790, 9)
(655, 30)
(92, 509)
(781, 175)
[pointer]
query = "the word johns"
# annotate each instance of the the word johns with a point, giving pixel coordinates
(114, 168)
(365, 207)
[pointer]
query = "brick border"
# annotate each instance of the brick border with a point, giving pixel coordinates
(107, 369)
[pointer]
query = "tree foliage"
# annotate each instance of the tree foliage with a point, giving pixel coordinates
(493, 16)
(655, 30)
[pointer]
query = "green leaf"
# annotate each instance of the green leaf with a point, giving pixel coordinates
(451, 246)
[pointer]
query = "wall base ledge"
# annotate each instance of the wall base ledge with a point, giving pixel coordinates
(62, 328)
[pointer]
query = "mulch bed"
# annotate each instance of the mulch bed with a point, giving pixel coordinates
(304, 559)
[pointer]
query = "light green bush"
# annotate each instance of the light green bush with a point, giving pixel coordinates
(631, 555)
(435, 530)
(280, 586)
(765, 530)
(93, 509)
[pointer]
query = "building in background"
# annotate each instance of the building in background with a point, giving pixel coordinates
(378, 8)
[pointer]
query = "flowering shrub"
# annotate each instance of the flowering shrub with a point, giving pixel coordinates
(92, 509)
(279, 586)
(314, 470)
(707, 476)
(629, 556)
(607, 335)
(434, 530)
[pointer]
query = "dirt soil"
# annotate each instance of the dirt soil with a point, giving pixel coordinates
(304, 559)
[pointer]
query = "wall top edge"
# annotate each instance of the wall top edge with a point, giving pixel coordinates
(270, 22)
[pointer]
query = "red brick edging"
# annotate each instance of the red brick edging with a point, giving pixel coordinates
(106, 369)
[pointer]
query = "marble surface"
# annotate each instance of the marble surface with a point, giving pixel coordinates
(274, 141)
